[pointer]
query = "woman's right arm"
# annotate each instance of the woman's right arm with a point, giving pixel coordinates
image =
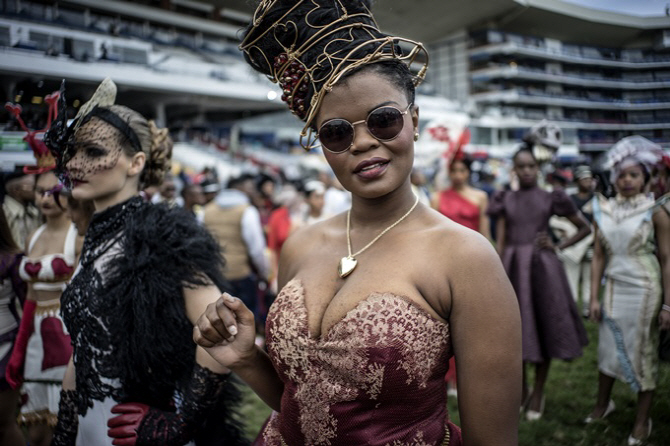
(597, 270)
(226, 330)
(500, 235)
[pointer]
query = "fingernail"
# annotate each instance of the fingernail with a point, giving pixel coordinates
(232, 330)
(229, 298)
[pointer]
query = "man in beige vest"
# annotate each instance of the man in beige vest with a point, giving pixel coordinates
(22, 215)
(236, 224)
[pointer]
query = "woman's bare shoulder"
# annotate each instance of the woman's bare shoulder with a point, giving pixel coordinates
(479, 195)
(305, 240)
(454, 246)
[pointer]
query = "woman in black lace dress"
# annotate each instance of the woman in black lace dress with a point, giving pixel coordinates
(146, 273)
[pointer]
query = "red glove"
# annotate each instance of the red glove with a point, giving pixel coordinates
(14, 370)
(123, 427)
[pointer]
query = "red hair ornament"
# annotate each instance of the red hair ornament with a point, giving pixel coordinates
(43, 156)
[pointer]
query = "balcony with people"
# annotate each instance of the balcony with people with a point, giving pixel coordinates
(37, 39)
(506, 92)
(568, 74)
(485, 44)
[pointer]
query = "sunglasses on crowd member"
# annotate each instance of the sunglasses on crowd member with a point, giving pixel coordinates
(384, 123)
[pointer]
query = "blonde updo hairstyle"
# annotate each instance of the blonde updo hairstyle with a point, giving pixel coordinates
(156, 143)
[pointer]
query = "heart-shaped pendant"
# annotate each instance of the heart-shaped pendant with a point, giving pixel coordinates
(347, 265)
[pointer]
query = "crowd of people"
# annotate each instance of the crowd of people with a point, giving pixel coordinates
(136, 298)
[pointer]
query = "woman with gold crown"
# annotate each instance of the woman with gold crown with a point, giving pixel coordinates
(145, 274)
(42, 346)
(373, 301)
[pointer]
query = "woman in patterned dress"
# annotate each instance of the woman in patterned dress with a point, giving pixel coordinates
(632, 233)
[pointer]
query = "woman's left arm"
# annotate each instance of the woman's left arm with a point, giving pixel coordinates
(196, 300)
(137, 424)
(583, 229)
(661, 222)
(486, 333)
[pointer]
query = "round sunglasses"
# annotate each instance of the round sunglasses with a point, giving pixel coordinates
(384, 123)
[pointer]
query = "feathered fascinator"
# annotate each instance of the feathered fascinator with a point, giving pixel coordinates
(632, 150)
(307, 46)
(60, 137)
(44, 158)
(455, 141)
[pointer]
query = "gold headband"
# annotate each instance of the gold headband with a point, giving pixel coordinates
(290, 72)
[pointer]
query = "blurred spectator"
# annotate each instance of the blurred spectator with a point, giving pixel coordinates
(103, 52)
(236, 224)
(12, 288)
(22, 215)
(577, 258)
(167, 192)
(660, 182)
(285, 219)
(264, 202)
(149, 192)
(315, 198)
(210, 189)
(337, 200)
(194, 199)
(419, 182)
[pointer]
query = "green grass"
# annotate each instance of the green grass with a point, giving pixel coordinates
(571, 392)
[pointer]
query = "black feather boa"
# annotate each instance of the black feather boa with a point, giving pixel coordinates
(125, 307)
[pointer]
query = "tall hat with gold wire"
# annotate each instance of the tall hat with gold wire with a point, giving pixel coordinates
(43, 157)
(307, 46)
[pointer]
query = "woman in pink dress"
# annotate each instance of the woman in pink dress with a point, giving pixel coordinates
(461, 202)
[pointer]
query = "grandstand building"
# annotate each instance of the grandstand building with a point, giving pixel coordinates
(509, 63)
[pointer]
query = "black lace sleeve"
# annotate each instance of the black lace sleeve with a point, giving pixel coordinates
(198, 401)
(125, 307)
(65, 433)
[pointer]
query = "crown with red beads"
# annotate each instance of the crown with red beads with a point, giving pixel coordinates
(293, 34)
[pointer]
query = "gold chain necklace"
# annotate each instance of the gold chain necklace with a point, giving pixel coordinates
(348, 263)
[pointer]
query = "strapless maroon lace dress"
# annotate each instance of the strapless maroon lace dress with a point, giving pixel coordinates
(375, 378)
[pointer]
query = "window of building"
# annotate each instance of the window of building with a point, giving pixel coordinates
(4, 36)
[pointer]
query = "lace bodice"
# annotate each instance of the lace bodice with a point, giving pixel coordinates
(626, 232)
(354, 384)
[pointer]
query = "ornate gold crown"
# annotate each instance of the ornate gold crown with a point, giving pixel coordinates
(295, 78)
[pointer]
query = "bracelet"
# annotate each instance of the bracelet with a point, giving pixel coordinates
(666, 307)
